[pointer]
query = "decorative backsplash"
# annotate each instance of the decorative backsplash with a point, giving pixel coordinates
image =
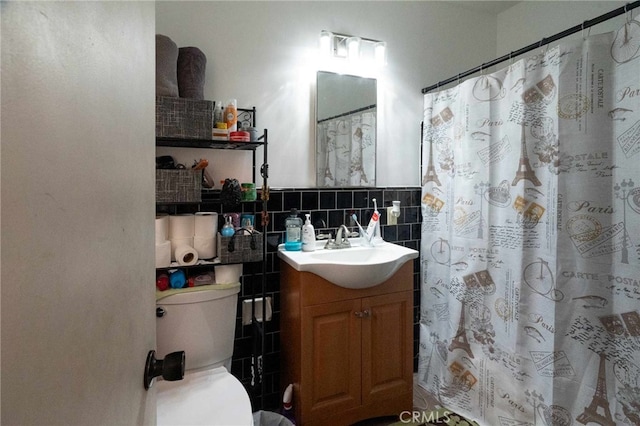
(329, 208)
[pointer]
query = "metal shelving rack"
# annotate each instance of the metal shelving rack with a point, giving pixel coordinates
(245, 116)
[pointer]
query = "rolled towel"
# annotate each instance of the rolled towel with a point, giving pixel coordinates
(191, 67)
(166, 67)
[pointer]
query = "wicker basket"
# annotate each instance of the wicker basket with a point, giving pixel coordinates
(178, 186)
(184, 118)
(244, 246)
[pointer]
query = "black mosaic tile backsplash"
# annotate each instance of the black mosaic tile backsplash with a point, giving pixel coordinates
(329, 208)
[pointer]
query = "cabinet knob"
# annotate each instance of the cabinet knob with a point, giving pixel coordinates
(363, 314)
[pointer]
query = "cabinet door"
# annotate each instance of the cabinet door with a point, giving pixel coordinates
(331, 358)
(387, 346)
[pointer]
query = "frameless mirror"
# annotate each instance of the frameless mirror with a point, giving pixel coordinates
(345, 130)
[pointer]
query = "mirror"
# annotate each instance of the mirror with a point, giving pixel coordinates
(345, 130)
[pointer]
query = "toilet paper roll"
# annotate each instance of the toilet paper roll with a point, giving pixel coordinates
(228, 274)
(205, 246)
(205, 224)
(186, 255)
(181, 226)
(162, 228)
(175, 242)
(163, 254)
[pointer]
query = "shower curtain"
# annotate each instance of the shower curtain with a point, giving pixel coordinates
(530, 250)
(346, 150)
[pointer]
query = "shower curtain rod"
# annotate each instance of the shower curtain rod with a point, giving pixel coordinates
(544, 41)
(344, 114)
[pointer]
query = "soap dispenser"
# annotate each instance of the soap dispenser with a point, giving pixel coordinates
(228, 229)
(308, 235)
(293, 232)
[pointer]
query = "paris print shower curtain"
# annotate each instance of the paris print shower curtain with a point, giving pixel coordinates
(530, 251)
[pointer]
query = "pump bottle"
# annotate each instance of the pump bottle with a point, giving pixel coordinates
(308, 235)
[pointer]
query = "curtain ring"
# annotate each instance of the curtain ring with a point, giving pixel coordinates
(542, 43)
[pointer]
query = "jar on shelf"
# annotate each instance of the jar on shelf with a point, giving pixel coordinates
(248, 191)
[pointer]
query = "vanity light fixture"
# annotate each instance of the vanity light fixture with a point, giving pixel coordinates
(345, 46)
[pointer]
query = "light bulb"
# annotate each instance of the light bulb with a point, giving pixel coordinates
(353, 47)
(380, 53)
(325, 42)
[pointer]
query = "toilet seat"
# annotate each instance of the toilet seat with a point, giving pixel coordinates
(209, 397)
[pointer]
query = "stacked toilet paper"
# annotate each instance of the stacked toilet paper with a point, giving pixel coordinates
(185, 238)
(181, 229)
(205, 230)
(163, 245)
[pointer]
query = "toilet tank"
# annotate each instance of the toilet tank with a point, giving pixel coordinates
(200, 322)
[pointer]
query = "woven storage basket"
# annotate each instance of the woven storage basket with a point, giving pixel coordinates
(244, 246)
(178, 186)
(184, 118)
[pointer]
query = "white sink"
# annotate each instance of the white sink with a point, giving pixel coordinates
(354, 267)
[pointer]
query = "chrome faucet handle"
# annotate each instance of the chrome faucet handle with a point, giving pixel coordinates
(341, 240)
(331, 244)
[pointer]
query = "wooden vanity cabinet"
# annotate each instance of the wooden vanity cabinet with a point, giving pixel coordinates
(347, 352)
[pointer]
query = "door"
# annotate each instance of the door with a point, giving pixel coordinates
(331, 358)
(387, 346)
(77, 212)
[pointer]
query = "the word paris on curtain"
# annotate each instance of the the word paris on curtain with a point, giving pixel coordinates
(530, 252)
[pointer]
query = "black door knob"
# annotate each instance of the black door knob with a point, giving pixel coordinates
(171, 368)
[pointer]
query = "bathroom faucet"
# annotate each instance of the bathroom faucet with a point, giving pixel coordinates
(341, 241)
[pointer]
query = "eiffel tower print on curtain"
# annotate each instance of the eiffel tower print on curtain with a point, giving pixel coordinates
(524, 167)
(431, 175)
(459, 341)
(599, 401)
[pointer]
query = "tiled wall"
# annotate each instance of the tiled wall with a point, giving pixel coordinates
(329, 209)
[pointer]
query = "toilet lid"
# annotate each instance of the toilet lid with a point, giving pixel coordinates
(209, 397)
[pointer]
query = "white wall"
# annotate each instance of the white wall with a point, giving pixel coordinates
(266, 54)
(77, 212)
(529, 21)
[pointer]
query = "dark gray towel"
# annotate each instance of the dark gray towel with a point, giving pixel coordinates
(166, 67)
(191, 67)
